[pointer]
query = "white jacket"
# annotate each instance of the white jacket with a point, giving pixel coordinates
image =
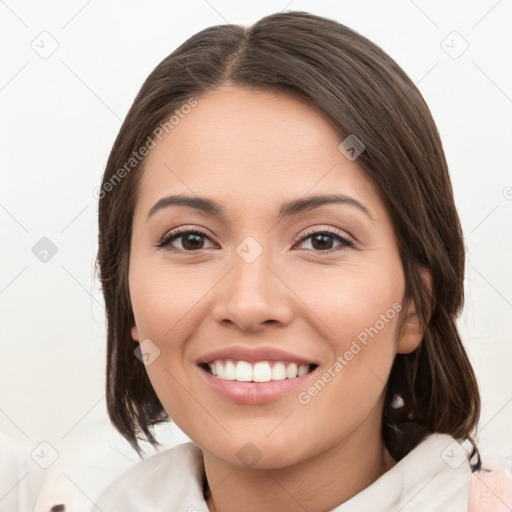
(434, 476)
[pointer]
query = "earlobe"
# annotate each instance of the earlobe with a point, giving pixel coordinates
(135, 333)
(413, 331)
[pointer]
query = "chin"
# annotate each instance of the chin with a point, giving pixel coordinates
(257, 454)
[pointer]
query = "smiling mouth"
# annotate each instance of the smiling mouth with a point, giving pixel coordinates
(259, 371)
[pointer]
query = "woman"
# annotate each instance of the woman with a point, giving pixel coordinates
(282, 264)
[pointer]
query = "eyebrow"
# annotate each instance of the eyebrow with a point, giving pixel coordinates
(287, 209)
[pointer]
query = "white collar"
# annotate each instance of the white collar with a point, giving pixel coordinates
(434, 476)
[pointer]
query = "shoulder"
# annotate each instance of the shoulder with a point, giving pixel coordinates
(491, 489)
(160, 480)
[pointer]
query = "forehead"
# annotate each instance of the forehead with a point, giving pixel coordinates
(244, 144)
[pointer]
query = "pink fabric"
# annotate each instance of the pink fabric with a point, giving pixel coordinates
(491, 491)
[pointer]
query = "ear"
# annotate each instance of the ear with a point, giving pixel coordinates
(412, 331)
(135, 333)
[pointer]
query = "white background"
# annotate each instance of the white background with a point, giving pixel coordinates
(60, 116)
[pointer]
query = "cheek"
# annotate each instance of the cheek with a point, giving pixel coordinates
(350, 389)
(161, 303)
(162, 300)
(353, 303)
(363, 348)
(359, 318)
(168, 307)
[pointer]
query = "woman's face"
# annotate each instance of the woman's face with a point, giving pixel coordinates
(275, 284)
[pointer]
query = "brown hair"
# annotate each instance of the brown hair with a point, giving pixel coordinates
(360, 90)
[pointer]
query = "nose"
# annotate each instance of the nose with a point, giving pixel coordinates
(252, 295)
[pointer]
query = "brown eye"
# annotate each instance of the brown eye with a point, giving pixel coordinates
(191, 240)
(325, 239)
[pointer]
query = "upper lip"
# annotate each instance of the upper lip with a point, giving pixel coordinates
(253, 355)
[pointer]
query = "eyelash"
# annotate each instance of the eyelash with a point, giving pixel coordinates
(179, 232)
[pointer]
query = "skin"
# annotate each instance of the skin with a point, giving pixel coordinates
(251, 151)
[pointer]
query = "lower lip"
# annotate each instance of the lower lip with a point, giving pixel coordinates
(254, 393)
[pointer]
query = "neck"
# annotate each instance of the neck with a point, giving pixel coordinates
(317, 484)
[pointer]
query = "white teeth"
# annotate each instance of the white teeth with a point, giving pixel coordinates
(278, 371)
(221, 372)
(291, 371)
(243, 371)
(230, 371)
(303, 369)
(261, 371)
